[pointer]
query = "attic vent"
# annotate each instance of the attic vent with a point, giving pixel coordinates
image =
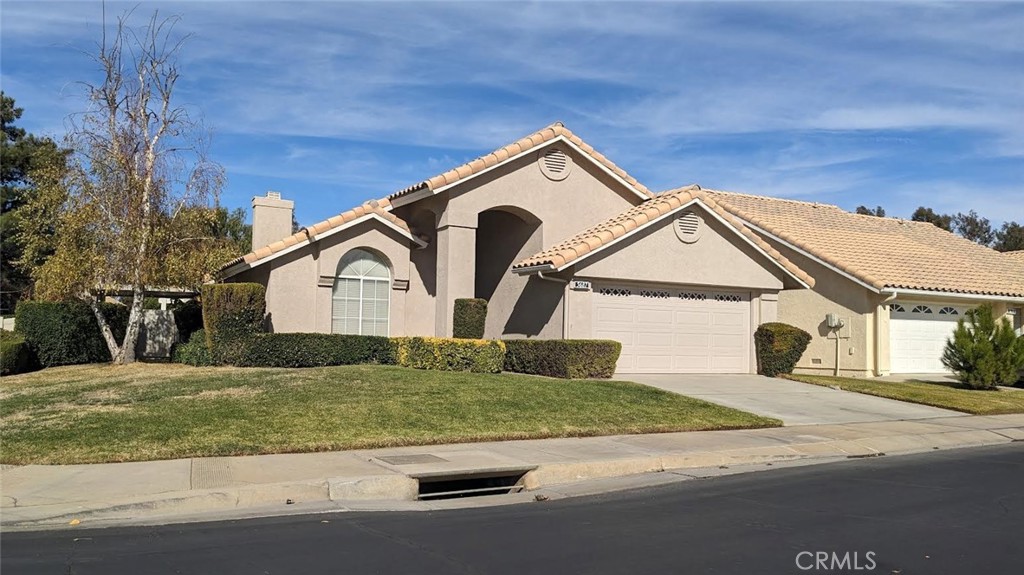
(555, 164)
(688, 227)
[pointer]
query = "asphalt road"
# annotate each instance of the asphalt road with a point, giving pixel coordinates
(951, 512)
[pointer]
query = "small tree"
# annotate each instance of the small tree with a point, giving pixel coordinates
(133, 208)
(984, 352)
(923, 214)
(974, 227)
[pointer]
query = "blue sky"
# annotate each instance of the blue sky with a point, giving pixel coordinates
(333, 103)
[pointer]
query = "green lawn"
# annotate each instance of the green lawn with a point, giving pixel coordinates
(947, 395)
(87, 414)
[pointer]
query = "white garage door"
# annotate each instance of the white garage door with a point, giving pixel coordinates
(918, 334)
(675, 330)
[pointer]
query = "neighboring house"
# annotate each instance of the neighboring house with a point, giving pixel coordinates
(899, 286)
(565, 244)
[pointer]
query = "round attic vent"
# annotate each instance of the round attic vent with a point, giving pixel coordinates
(555, 164)
(689, 227)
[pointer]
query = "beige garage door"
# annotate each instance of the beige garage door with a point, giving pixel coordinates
(675, 330)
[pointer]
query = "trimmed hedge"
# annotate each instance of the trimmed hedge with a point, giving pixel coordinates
(469, 319)
(315, 350)
(779, 347)
(66, 333)
(194, 352)
(565, 358)
(450, 354)
(232, 313)
(188, 318)
(15, 355)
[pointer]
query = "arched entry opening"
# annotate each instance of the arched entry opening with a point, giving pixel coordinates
(516, 306)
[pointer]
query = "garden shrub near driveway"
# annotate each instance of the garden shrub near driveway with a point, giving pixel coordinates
(984, 352)
(779, 346)
(566, 358)
(450, 354)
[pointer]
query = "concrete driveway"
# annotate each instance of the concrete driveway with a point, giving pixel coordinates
(793, 402)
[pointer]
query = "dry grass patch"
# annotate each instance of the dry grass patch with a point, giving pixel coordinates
(91, 414)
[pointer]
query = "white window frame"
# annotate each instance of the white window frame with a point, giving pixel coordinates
(363, 279)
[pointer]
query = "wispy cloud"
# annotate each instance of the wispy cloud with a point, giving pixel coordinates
(346, 100)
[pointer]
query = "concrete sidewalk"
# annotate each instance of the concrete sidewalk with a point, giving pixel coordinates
(167, 491)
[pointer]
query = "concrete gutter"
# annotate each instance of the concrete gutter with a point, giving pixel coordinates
(48, 497)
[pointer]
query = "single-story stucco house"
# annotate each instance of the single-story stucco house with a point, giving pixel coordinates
(565, 244)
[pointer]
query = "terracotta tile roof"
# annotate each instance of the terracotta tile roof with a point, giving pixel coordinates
(881, 252)
(630, 220)
(529, 142)
(374, 207)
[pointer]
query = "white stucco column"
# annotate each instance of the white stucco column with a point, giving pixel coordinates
(456, 272)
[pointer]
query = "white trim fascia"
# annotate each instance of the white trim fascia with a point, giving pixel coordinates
(243, 266)
(899, 292)
(813, 257)
(655, 221)
(558, 138)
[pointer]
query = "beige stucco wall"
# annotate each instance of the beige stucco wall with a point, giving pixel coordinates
(299, 286)
(519, 307)
(832, 293)
(655, 254)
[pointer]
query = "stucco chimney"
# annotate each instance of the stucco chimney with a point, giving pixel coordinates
(271, 219)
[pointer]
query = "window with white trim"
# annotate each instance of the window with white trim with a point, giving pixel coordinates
(362, 295)
(921, 309)
(948, 311)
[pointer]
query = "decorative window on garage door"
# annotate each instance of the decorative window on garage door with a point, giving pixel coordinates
(615, 291)
(948, 311)
(921, 309)
(362, 293)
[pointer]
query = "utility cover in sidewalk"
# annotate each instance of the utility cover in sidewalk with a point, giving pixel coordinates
(411, 459)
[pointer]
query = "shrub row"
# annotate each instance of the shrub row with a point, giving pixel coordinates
(315, 350)
(66, 333)
(566, 358)
(15, 355)
(779, 346)
(450, 354)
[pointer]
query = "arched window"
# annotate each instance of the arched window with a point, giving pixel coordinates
(362, 292)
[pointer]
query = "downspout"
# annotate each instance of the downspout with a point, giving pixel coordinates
(565, 302)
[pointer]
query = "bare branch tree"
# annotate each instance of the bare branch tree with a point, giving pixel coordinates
(140, 184)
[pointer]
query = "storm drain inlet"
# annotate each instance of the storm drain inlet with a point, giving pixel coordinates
(461, 485)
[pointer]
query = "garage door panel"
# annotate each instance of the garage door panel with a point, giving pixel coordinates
(918, 335)
(733, 319)
(652, 317)
(675, 334)
(692, 319)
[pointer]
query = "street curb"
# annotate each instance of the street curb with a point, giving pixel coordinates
(391, 491)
